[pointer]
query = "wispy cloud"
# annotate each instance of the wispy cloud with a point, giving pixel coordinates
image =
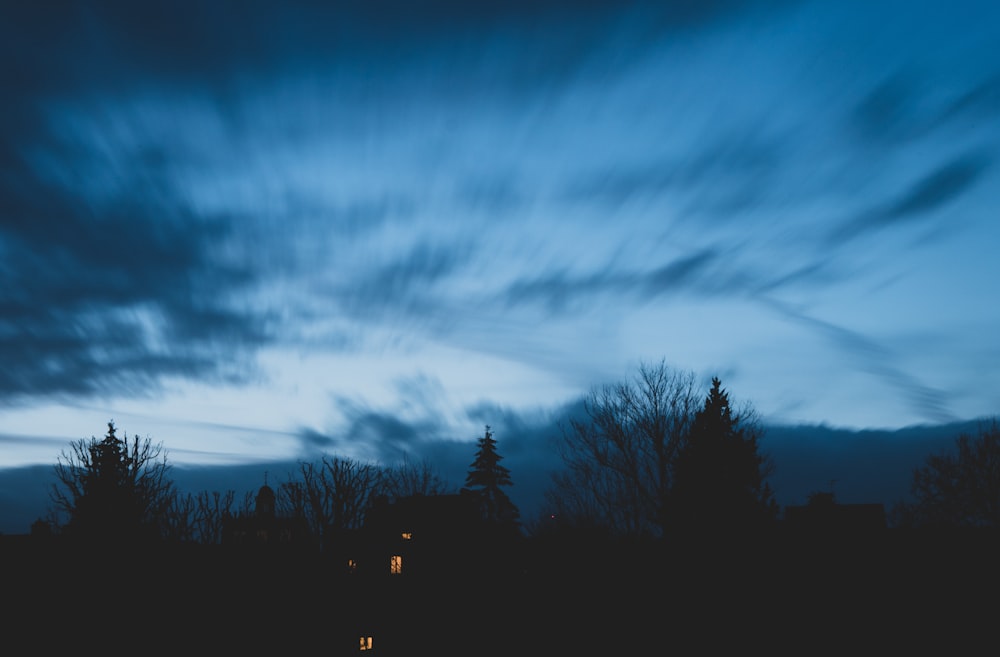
(561, 291)
(868, 355)
(182, 191)
(401, 286)
(944, 185)
(111, 295)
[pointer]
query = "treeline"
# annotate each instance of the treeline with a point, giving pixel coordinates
(120, 488)
(652, 457)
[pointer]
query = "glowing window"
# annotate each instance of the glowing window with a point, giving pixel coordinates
(366, 643)
(407, 536)
(396, 564)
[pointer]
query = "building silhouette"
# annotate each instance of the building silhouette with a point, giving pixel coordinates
(823, 513)
(263, 530)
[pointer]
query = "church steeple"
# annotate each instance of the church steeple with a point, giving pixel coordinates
(265, 502)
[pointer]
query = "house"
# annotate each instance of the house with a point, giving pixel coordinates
(409, 571)
(417, 536)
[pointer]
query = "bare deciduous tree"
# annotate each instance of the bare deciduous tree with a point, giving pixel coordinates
(332, 495)
(408, 479)
(619, 459)
(180, 519)
(958, 487)
(201, 517)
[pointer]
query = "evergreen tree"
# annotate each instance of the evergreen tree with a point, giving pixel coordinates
(113, 488)
(720, 474)
(486, 477)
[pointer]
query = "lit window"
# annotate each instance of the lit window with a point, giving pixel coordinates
(396, 564)
(407, 536)
(366, 643)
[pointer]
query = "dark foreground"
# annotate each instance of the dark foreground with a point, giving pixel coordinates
(888, 592)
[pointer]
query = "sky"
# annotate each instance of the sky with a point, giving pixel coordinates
(261, 231)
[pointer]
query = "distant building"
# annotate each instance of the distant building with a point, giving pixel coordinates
(823, 513)
(409, 547)
(418, 535)
(263, 529)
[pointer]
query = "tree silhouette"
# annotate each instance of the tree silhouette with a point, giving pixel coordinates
(620, 458)
(331, 495)
(720, 475)
(957, 488)
(201, 517)
(406, 479)
(486, 478)
(113, 488)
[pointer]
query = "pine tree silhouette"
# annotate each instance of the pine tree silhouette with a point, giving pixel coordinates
(486, 477)
(108, 504)
(720, 475)
(113, 488)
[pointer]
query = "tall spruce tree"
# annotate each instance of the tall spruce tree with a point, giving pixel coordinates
(113, 488)
(486, 478)
(720, 473)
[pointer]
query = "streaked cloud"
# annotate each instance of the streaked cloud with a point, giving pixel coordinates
(382, 205)
(925, 402)
(935, 190)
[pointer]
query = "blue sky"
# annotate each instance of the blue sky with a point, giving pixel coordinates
(256, 232)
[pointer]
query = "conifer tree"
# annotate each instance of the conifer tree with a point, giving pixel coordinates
(486, 478)
(720, 474)
(113, 488)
